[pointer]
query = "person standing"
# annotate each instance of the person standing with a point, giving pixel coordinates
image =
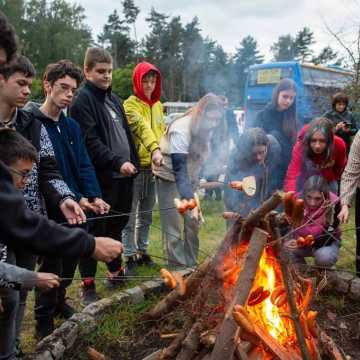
(279, 119)
(349, 185)
(110, 145)
(145, 116)
(342, 119)
(185, 147)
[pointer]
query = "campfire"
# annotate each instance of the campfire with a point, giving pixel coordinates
(247, 301)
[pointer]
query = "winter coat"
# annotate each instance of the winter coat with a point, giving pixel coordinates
(23, 229)
(145, 117)
(301, 167)
(89, 110)
(271, 121)
(71, 155)
(266, 178)
(347, 117)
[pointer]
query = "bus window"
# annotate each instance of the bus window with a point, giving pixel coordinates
(269, 76)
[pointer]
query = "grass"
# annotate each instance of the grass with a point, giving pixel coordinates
(211, 235)
(118, 324)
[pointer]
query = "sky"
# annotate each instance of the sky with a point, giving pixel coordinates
(228, 21)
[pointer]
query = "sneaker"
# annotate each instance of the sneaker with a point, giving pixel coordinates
(64, 310)
(115, 279)
(44, 327)
(88, 292)
(145, 259)
(130, 266)
(18, 352)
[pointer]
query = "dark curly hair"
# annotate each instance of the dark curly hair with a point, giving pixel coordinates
(59, 70)
(339, 98)
(8, 40)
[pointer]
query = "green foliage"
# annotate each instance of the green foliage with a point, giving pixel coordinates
(122, 81)
(116, 38)
(299, 48)
(37, 93)
(247, 54)
(302, 44)
(45, 27)
(326, 56)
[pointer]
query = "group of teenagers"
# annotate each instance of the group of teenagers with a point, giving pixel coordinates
(95, 167)
(319, 162)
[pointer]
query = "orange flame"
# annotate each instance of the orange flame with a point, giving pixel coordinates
(270, 316)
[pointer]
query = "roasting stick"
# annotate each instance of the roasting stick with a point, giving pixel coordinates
(289, 291)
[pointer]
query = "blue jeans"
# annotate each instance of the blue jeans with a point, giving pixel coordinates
(136, 233)
(10, 303)
(325, 256)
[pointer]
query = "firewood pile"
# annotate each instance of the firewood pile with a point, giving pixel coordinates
(247, 301)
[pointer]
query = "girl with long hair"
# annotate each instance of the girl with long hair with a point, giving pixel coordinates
(317, 152)
(185, 149)
(256, 154)
(321, 207)
(278, 118)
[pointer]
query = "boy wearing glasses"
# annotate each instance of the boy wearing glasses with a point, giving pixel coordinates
(60, 82)
(19, 156)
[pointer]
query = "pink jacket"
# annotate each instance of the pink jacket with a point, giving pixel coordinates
(318, 222)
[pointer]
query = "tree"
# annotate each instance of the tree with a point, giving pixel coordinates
(192, 55)
(47, 28)
(116, 38)
(302, 44)
(131, 12)
(122, 81)
(283, 49)
(247, 54)
(327, 56)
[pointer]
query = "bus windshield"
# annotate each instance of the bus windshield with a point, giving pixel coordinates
(269, 76)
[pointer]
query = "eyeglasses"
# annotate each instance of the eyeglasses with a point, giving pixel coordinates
(66, 89)
(23, 175)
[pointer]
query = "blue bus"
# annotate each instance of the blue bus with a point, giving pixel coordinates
(315, 86)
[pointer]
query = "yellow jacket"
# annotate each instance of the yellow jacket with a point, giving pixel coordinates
(147, 126)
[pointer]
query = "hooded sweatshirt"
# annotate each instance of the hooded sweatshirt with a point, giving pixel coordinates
(145, 116)
(71, 154)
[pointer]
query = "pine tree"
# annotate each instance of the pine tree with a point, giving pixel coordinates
(116, 38)
(284, 48)
(302, 44)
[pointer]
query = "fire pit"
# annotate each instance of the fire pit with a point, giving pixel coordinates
(246, 302)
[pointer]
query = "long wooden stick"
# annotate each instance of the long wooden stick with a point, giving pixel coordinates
(225, 343)
(289, 288)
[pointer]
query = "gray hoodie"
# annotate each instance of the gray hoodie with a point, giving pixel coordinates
(15, 277)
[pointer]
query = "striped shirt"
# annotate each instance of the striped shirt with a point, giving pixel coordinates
(350, 179)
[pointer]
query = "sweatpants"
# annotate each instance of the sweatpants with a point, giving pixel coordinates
(47, 301)
(179, 234)
(136, 232)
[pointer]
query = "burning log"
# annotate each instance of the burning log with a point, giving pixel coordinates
(192, 283)
(244, 303)
(225, 345)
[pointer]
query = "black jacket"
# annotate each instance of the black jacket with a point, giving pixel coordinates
(271, 121)
(346, 117)
(21, 228)
(89, 110)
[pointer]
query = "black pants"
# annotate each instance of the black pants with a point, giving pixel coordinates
(117, 193)
(47, 301)
(357, 224)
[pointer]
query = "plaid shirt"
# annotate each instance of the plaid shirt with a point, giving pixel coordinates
(350, 179)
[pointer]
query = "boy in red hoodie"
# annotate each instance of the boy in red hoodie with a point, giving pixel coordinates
(145, 116)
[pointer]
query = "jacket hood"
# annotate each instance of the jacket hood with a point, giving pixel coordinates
(140, 71)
